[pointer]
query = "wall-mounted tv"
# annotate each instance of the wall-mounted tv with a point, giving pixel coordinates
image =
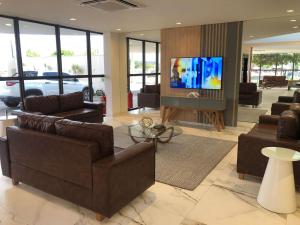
(197, 73)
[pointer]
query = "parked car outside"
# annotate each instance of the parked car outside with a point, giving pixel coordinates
(10, 90)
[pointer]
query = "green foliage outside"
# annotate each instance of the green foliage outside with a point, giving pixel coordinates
(77, 69)
(64, 53)
(30, 53)
(275, 61)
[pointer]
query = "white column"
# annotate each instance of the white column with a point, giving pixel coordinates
(115, 66)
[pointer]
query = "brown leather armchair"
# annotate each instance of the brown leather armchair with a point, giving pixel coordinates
(285, 103)
(77, 162)
(249, 95)
(149, 96)
(272, 130)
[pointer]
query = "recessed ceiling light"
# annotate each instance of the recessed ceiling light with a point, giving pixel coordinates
(178, 23)
(295, 27)
(73, 19)
(142, 34)
(251, 36)
(290, 10)
(8, 24)
(118, 29)
(293, 20)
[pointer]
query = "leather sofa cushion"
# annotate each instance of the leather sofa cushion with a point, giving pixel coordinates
(41, 123)
(77, 114)
(101, 134)
(288, 125)
(71, 101)
(43, 104)
(296, 97)
(248, 88)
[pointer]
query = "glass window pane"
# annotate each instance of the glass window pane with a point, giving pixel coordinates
(150, 80)
(76, 84)
(97, 54)
(41, 87)
(98, 89)
(159, 79)
(150, 57)
(73, 51)
(8, 59)
(136, 56)
(9, 96)
(38, 46)
(136, 83)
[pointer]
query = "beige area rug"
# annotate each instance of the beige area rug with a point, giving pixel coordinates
(251, 115)
(186, 160)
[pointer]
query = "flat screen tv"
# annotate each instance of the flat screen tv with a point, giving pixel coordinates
(197, 73)
(185, 73)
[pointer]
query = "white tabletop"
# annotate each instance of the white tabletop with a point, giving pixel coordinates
(283, 154)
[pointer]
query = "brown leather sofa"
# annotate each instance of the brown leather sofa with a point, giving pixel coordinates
(249, 95)
(277, 131)
(149, 96)
(285, 102)
(77, 162)
(68, 106)
(273, 81)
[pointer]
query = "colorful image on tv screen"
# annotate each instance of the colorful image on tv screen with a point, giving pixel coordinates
(211, 74)
(185, 73)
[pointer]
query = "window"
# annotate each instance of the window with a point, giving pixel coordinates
(143, 65)
(8, 58)
(97, 54)
(48, 66)
(38, 47)
(73, 52)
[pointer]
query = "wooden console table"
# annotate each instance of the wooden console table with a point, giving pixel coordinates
(213, 110)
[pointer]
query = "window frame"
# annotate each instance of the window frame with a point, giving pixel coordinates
(21, 78)
(143, 74)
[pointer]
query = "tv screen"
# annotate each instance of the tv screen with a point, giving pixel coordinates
(185, 73)
(211, 73)
(197, 73)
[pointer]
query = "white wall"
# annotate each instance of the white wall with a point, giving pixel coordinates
(115, 65)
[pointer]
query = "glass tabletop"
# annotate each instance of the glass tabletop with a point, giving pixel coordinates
(151, 132)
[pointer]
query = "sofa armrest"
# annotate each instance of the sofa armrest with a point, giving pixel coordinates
(120, 178)
(4, 156)
(93, 105)
(278, 107)
(269, 119)
(19, 112)
(286, 99)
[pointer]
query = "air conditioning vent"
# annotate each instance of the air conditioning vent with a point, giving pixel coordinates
(112, 5)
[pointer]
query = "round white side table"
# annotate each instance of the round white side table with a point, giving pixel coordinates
(6, 122)
(277, 191)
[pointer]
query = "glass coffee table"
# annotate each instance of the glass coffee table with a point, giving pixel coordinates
(139, 134)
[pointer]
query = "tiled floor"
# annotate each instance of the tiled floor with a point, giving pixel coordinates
(221, 199)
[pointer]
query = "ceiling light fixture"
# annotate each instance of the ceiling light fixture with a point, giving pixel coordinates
(8, 24)
(118, 29)
(251, 36)
(293, 20)
(72, 19)
(290, 10)
(178, 23)
(295, 27)
(142, 34)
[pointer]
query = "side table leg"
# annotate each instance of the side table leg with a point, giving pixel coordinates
(277, 191)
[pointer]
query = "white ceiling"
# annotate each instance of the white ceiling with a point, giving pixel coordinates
(156, 15)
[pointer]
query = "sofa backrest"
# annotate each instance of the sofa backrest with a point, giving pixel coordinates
(248, 88)
(57, 156)
(152, 89)
(43, 104)
(71, 101)
(101, 134)
(289, 125)
(296, 96)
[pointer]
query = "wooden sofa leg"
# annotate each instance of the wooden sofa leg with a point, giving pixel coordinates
(99, 217)
(241, 176)
(14, 182)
